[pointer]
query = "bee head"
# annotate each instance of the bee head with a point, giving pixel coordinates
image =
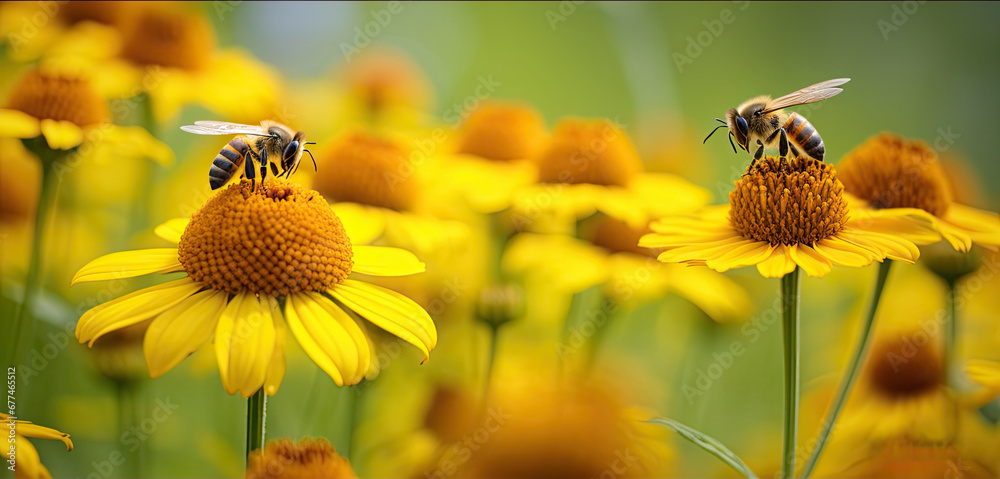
(738, 127)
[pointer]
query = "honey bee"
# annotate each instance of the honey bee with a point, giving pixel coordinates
(762, 121)
(253, 144)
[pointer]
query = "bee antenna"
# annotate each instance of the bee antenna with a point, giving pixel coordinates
(713, 132)
(731, 142)
(720, 120)
(315, 168)
(309, 143)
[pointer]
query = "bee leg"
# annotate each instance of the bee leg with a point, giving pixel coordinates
(758, 154)
(249, 171)
(782, 144)
(263, 165)
(274, 170)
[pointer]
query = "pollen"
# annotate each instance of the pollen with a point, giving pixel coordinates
(891, 172)
(277, 240)
(503, 132)
(369, 170)
(589, 151)
(788, 202)
(617, 236)
(309, 458)
(905, 366)
(59, 97)
(169, 38)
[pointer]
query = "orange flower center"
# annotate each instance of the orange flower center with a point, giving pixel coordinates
(589, 151)
(169, 38)
(108, 13)
(386, 78)
(365, 169)
(59, 97)
(503, 132)
(617, 236)
(277, 240)
(891, 172)
(310, 458)
(788, 202)
(905, 366)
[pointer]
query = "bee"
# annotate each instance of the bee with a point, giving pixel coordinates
(762, 121)
(253, 144)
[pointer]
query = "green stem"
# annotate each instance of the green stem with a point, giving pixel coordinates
(950, 341)
(790, 330)
(494, 334)
(600, 331)
(23, 325)
(256, 416)
(861, 348)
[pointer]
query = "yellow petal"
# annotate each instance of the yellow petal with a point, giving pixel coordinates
(390, 311)
(330, 337)
(18, 124)
(181, 330)
(29, 465)
(363, 224)
(751, 252)
(244, 342)
(384, 261)
(813, 263)
(128, 264)
(982, 226)
(847, 254)
(778, 264)
(28, 429)
(886, 246)
(132, 308)
(172, 230)
(61, 135)
(704, 251)
(276, 368)
(718, 296)
(118, 142)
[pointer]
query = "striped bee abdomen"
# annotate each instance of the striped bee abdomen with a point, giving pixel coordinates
(804, 136)
(227, 163)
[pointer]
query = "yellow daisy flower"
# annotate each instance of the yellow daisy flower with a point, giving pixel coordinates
(385, 86)
(27, 463)
(905, 460)
(591, 165)
(890, 172)
(254, 262)
(782, 214)
(370, 177)
(308, 458)
(491, 155)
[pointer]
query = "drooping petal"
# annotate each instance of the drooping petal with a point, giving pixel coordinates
(276, 368)
(390, 311)
(886, 246)
(844, 253)
(704, 251)
(329, 336)
(385, 261)
(27, 460)
(18, 124)
(132, 308)
(180, 331)
(746, 254)
(813, 263)
(171, 230)
(28, 429)
(778, 264)
(715, 294)
(61, 135)
(128, 264)
(244, 344)
(982, 226)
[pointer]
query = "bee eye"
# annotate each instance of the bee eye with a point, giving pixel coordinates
(290, 150)
(742, 125)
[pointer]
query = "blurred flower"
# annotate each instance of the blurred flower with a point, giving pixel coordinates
(242, 252)
(19, 176)
(28, 464)
(890, 172)
(902, 460)
(118, 354)
(590, 165)
(499, 303)
(494, 154)
(806, 223)
(385, 86)
(308, 459)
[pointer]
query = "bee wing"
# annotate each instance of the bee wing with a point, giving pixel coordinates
(809, 94)
(224, 128)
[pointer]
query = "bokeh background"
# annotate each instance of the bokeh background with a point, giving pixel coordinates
(662, 70)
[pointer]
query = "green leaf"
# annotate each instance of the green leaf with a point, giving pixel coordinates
(707, 443)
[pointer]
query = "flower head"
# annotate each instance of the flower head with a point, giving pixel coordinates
(782, 214)
(56, 105)
(890, 172)
(243, 252)
(502, 132)
(170, 38)
(309, 458)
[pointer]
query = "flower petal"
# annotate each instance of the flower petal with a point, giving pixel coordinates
(276, 367)
(128, 264)
(811, 261)
(132, 308)
(982, 226)
(778, 264)
(61, 135)
(703, 251)
(330, 337)
(171, 230)
(181, 330)
(844, 253)
(244, 343)
(27, 460)
(385, 261)
(18, 124)
(363, 224)
(27, 429)
(745, 254)
(886, 246)
(390, 311)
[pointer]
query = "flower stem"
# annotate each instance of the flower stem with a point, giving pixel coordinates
(24, 326)
(790, 330)
(256, 416)
(847, 382)
(950, 335)
(494, 334)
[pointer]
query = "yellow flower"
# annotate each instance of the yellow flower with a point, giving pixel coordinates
(254, 261)
(28, 465)
(591, 165)
(782, 214)
(386, 86)
(67, 111)
(890, 172)
(904, 460)
(308, 459)
(493, 154)
(370, 177)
